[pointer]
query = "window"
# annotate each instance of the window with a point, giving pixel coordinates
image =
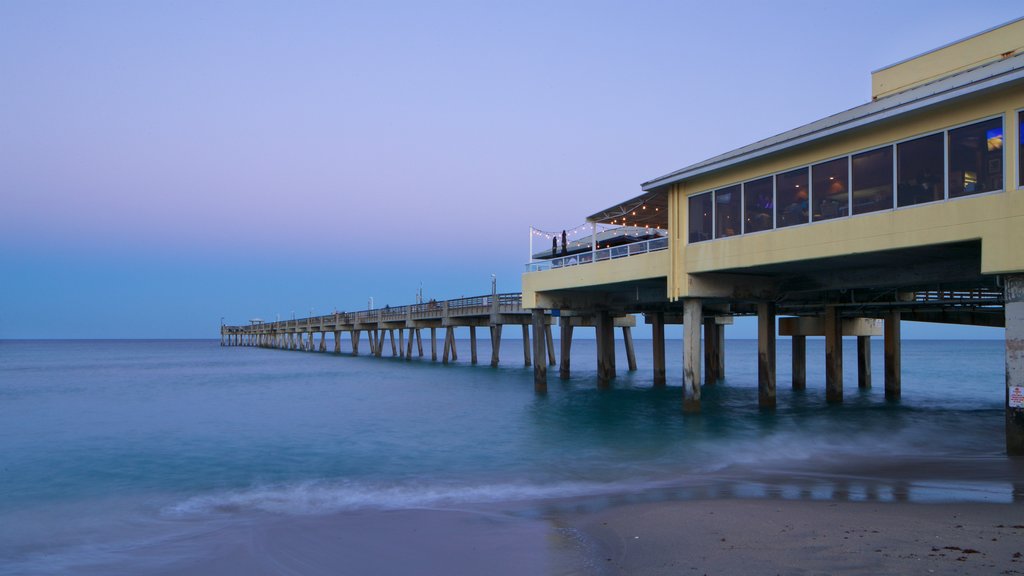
(976, 158)
(727, 212)
(757, 205)
(831, 189)
(918, 166)
(792, 198)
(700, 217)
(872, 180)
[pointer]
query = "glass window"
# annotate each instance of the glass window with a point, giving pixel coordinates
(757, 205)
(976, 158)
(727, 212)
(700, 217)
(918, 166)
(830, 193)
(792, 197)
(872, 180)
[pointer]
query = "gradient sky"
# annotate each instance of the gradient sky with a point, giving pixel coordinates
(166, 164)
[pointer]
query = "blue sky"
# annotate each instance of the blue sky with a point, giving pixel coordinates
(167, 164)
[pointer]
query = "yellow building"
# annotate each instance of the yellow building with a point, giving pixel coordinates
(909, 207)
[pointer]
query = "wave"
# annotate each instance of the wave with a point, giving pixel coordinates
(327, 497)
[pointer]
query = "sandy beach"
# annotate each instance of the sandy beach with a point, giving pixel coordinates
(803, 537)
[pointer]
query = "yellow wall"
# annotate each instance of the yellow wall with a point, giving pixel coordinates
(996, 218)
(639, 267)
(963, 55)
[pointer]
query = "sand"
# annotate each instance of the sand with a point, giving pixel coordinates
(737, 536)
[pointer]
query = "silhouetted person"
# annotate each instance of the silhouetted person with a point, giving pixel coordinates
(565, 247)
(554, 246)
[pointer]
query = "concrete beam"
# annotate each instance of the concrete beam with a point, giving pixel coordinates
(815, 326)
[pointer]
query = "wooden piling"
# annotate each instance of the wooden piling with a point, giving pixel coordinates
(1013, 294)
(710, 345)
(540, 367)
(419, 342)
(472, 345)
(433, 344)
(864, 362)
(605, 348)
(526, 345)
(495, 344)
(692, 316)
(658, 343)
(627, 339)
(550, 344)
(799, 362)
(565, 342)
(833, 355)
(893, 361)
(766, 355)
(447, 345)
(394, 349)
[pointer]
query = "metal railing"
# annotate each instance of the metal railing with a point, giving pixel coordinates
(508, 303)
(612, 253)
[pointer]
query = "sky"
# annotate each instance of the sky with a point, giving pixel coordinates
(164, 165)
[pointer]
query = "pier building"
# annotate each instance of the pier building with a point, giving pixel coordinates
(908, 207)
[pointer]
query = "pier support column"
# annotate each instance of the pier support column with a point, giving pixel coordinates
(540, 367)
(455, 348)
(311, 345)
(495, 344)
(355, 342)
(864, 362)
(658, 343)
(692, 316)
(323, 341)
(401, 342)
(893, 370)
(408, 346)
(472, 345)
(766, 355)
(550, 344)
(565, 342)
(627, 339)
(433, 344)
(710, 347)
(391, 335)
(1014, 308)
(447, 345)
(526, 345)
(337, 342)
(833, 355)
(605, 348)
(419, 342)
(799, 362)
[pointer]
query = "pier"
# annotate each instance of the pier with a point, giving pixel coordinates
(395, 331)
(907, 208)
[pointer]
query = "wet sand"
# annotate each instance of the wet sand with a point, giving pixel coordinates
(803, 537)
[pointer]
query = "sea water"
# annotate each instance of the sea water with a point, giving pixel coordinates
(107, 447)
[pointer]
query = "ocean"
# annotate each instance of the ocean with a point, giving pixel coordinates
(166, 457)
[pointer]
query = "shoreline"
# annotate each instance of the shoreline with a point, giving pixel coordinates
(776, 536)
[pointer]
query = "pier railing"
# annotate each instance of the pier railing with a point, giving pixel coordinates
(508, 303)
(611, 253)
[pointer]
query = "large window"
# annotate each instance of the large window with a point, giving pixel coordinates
(872, 180)
(976, 158)
(700, 217)
(919, 170)
(831, 189)
(757, 205)
(728, 210)
(792, 198)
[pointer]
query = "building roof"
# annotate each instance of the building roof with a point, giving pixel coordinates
(987, 76)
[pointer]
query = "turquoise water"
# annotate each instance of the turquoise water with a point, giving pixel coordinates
(107, 444)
